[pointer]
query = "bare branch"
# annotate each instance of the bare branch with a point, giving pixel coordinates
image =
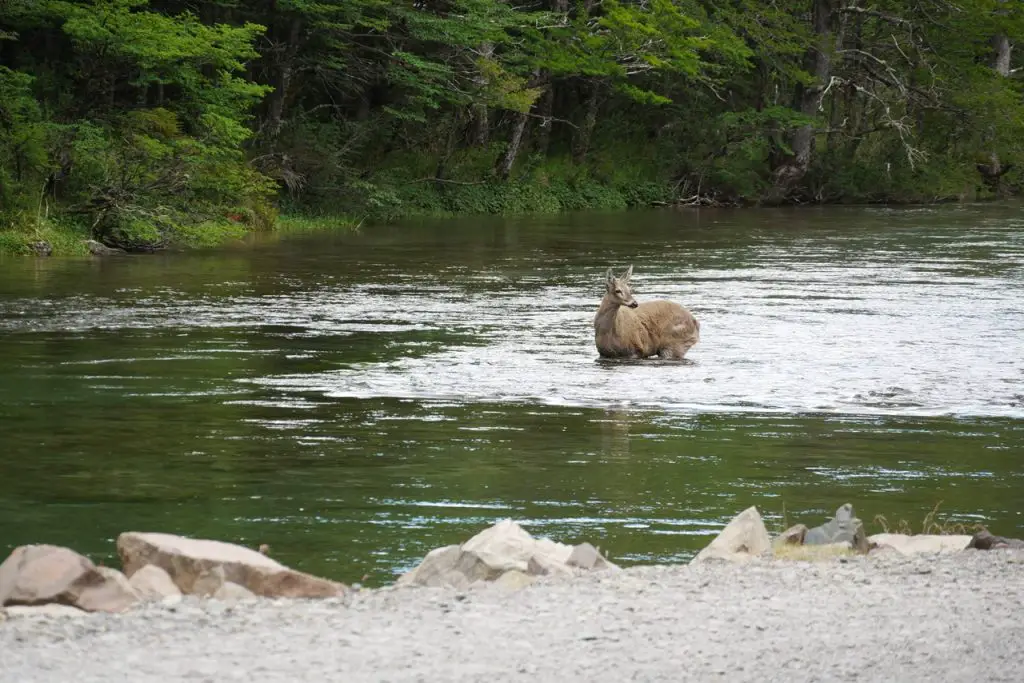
(853, 9)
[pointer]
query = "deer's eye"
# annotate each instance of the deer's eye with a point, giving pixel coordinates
(619, 292)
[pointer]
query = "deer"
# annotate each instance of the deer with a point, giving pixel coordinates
(624, 328)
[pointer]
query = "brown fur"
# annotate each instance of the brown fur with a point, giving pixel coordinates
(625, 329)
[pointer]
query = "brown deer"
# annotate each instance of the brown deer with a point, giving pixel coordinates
(624, 328)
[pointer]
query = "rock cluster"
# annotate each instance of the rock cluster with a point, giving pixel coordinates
(156, 567)
(746, 537)
(505, 554)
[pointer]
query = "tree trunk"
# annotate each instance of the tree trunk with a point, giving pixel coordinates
(794, 165)
(545, 108)
(993, 172)
(508, 159)
(449, 148)
(546, 105)
(282, 79)
(1004, 53)
(481, 113)
(581, 140)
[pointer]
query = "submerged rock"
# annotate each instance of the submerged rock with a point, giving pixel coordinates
(502, 549)
(210, 563)
(744, 538)
(47, 574)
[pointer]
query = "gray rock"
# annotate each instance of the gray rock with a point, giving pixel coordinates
(844, 527)
(42, 248)
(99, 249)
(434, 569)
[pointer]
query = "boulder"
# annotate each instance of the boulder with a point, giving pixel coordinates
(188, 560)
(44, 574)
(498, 550)
(844, 527)
(913, 545)
(742, 539)
(152, 583)
(586, 556)
(99, 249)
(506, 546)
(435, 569)
(41, 248)
(984, 540)
(116, 577)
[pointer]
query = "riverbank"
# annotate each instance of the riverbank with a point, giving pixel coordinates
(388, 201)
(950, 617)
(65, 238)
(539, 194)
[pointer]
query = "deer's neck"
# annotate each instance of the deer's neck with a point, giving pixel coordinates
(607, 314)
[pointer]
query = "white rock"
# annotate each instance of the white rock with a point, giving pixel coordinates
(507, 546)
(153, 583)
(502, 548)
(187, 559)
(744, 538)
(912, 545)
(40, 574)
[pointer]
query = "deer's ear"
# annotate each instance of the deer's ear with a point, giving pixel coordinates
(628, 273)
(609, 276)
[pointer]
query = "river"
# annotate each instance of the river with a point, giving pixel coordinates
(357, 399)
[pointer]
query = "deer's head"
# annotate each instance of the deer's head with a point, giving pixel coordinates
(618, 289)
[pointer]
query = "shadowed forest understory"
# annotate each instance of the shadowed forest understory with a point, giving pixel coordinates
(147, 124)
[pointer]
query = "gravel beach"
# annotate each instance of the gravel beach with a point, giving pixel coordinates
(883, 617)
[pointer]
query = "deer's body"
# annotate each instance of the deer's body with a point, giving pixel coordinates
(624, 328)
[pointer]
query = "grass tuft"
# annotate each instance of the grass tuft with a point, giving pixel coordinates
(930, 525)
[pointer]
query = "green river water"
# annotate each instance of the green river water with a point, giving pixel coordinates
(355, 400)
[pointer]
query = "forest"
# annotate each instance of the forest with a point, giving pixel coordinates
(149, 123)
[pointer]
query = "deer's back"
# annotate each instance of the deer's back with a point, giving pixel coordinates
(666, 319)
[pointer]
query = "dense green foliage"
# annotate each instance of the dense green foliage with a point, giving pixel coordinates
(143, 123)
